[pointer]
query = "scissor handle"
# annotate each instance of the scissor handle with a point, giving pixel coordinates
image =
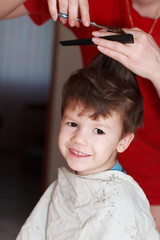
(63, 15)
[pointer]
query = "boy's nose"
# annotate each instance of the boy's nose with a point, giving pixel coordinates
(80, 138)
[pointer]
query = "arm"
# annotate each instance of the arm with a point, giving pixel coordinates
(142, 57)
(71, 7)
(15, 8)
(9, 6)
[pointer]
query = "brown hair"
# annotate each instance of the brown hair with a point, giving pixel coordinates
(105, 86)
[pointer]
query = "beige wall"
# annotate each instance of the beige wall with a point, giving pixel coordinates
(25, 72)
(67, 59)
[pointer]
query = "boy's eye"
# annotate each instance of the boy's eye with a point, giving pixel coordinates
(72, 124)
(99, 131)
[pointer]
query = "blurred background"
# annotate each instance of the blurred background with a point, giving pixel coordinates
(33, 68)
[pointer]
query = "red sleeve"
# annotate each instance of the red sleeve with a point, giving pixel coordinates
(38, 9)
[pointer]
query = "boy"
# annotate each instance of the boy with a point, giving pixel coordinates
(95, 199)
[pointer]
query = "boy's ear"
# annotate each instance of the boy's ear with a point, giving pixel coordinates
(125, 142)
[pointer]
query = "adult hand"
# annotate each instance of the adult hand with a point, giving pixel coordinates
(72, 8)
(142, 57)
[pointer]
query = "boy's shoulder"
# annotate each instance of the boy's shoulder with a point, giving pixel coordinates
(125, 185)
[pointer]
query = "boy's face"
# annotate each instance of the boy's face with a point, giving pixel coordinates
(89, 146)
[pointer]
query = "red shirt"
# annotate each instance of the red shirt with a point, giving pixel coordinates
(142, 159)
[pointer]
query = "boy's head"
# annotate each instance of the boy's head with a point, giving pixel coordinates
(106, 93)
(106, 86)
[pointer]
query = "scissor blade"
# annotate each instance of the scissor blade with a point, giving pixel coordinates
(93, 24)
(66, 16)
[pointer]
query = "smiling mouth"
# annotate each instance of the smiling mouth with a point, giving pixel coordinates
(79, 153)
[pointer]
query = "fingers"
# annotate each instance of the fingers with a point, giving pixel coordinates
(84, 12)
(52, 4)
(118, 51)
(142, 57)
(135, 31)
(73, 12)
(107, 32)
(123, 59)
(76, 7)
(63, 8)
(125, 49)
(114, 46)
(71, 7)
(100, 33)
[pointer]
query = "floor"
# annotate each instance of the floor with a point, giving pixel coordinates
(20, 190)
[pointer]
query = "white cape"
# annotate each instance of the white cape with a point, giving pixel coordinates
(109, 205)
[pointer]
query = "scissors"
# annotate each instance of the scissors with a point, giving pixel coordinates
(93, 24)
(66, 16)
(121, 37)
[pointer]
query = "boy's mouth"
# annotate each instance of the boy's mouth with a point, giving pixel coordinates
(78, 153)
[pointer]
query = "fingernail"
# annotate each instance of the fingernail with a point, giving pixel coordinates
(54, 18)
(86, 23)
(77, 24)
(100, 48)
(95, 40)
(72, 23)
(54, 15)
(96, 34)
(63, 20)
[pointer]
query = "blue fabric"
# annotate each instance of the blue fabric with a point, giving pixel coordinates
(118, 167)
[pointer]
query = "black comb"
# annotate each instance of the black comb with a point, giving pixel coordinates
(124, 38)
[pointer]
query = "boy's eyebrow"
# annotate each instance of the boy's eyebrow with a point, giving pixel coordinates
(101, 125)
(69, 116)
(65, 116)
